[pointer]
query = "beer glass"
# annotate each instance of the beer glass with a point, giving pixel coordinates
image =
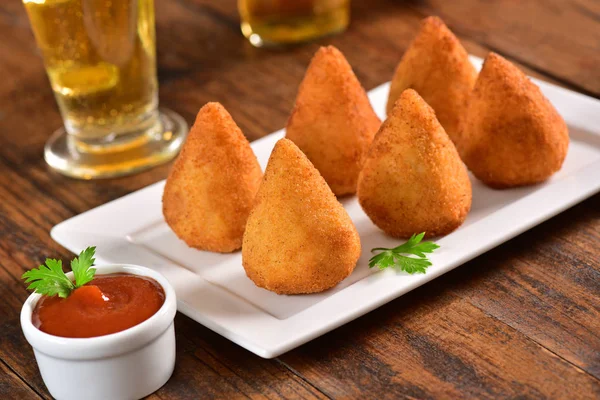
(281, 22)
(100, 58)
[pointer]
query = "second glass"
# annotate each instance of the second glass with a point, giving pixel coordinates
(101, 61)
(281, 22)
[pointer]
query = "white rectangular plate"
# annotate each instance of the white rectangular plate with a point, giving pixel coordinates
(214, 290)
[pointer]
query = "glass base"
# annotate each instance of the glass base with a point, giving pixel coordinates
(127, 155)
(259, 41)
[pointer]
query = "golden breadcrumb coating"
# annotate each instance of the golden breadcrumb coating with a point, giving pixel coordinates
(333, 122)
(413, 180)
(299, 238)
(211, 187)
(437, 66)
(511, 134)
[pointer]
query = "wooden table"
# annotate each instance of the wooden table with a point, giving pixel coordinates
(522, 320)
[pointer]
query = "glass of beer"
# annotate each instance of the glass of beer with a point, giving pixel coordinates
(281, 22)
(100, 57)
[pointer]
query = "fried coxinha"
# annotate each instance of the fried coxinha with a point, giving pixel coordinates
(413, 179)
(299, 238)
(437, 66)
(511, 134)
(333, 122)
(210, 190)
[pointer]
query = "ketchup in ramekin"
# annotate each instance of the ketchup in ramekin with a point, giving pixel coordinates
(129, 364)
(108, 304)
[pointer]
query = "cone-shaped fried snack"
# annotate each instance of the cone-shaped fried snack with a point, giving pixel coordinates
(211, 188)
(333, 122)
(511, 134)
(299, 239)
(413, 180)
(437, 66)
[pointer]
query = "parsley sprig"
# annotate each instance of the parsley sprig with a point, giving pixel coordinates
(400, 257)
(50, 280)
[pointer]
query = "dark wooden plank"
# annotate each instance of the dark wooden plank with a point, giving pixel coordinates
(13, 293)
(18, 355)
(432, 344)
(546, 284)
(210, 366)
(12, 387)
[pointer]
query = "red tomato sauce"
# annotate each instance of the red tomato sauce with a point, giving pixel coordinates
(108, 304)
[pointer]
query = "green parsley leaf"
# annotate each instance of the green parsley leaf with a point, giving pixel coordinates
(383, 260)
(409, 257)
(50, 280)
(81, 266)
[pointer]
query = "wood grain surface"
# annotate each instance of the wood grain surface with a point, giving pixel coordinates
(521, 321)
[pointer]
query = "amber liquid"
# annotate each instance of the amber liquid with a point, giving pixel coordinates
(280, 22)
(100, 58)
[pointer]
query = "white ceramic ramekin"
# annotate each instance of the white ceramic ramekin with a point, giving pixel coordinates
(125, 365)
